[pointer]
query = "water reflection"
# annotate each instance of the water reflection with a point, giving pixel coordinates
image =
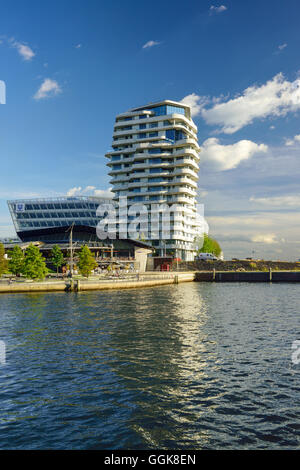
(187, 366)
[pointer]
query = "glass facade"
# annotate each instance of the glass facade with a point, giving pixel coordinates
(174, 135)
(166, 109)
(58, 212)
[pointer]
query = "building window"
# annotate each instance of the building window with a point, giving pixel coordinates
(155, 170)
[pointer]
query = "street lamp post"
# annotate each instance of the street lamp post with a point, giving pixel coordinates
(71, 248)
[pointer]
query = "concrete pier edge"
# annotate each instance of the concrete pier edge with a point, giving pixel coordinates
(85, 285)
(79, 285)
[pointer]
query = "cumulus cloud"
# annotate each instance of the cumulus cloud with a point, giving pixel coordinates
(150, 44)
(196, 103)
(74, 191)
(227, 157)
(277, 97)
(89, 190)
(293, 141)
(103, 193)
(47, 89)
(25, 51)
(220, 9)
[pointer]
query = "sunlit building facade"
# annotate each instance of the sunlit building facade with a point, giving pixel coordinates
(34, 217)
(155, 160)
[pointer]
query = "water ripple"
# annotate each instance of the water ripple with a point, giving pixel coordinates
(192, 366)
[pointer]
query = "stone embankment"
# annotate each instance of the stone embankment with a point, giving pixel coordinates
(240, 265)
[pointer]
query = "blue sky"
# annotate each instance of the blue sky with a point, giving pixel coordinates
(71, 66)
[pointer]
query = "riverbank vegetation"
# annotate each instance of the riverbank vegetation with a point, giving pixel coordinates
(32, 265)
(3, 261)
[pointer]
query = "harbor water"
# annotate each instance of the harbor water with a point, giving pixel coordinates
(188, 366)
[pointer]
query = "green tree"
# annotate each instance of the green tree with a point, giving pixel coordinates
(57, 257)
(34, 263)
(198, 243)
(3, 261)
(16, 261)
(87, 261)
(210, 245)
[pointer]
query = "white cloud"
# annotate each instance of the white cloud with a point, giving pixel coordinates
(272, 220)
(25, 51)
(88, 189)
(268, 238)
(279, 201)
(293, 141)
(196, 103)
(277, 97)
(78, 46)
(150, 44)
(47, 89)
(91, 190)
(219, 9)
(74, 191)
(103, 193)
(227, 157)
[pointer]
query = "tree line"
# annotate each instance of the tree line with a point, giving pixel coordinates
(32, 264)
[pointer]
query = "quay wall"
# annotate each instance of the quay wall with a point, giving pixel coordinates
(248, 276)
(85, 285)
(151, 279)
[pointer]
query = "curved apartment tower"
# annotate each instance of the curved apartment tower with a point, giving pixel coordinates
(153, 161)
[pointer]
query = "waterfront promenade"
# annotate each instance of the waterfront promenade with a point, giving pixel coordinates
(75, 285)
(149, 279)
